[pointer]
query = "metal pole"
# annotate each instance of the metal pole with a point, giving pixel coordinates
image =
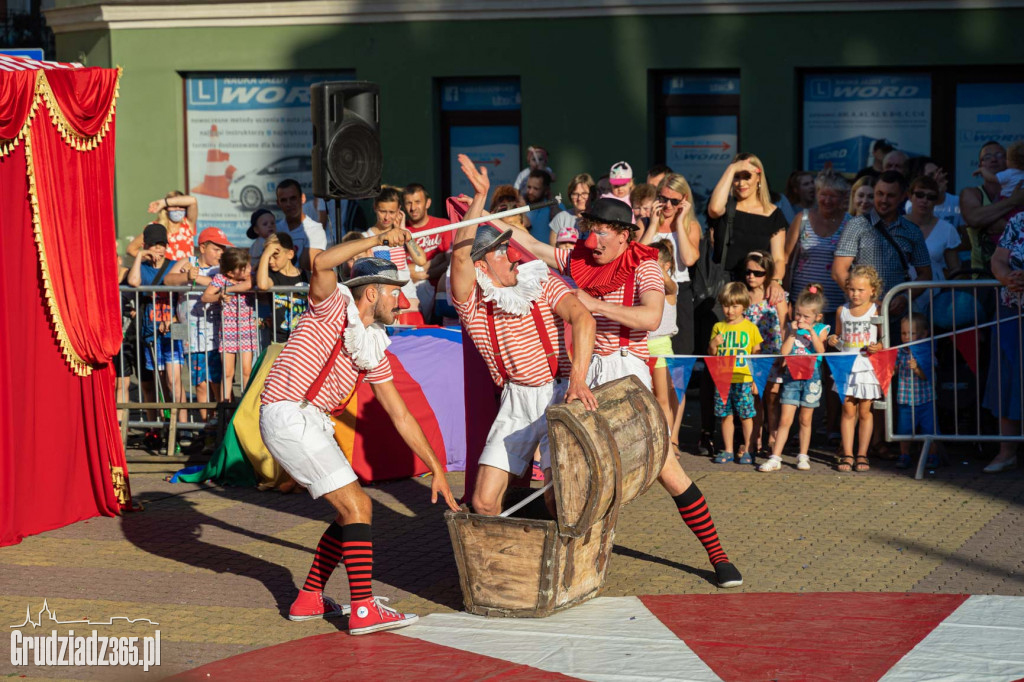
(490, 216)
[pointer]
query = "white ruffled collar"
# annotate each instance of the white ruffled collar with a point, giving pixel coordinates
(366, 345)
(519, 299)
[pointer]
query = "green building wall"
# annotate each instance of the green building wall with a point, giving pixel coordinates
(585, 82)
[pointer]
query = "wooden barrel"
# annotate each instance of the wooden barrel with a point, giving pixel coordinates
(627, 433)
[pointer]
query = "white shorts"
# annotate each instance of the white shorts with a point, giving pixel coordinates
(605, 368)
(521, 426)
(301, 439)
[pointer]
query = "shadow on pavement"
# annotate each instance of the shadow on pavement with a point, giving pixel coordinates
(709, 576)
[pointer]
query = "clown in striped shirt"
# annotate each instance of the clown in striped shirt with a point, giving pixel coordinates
(509, 311)
(611, 270)
(338, 343)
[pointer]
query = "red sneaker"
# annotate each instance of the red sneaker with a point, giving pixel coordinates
(309, 605)
(371, 615)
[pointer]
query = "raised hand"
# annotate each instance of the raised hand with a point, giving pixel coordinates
(477, 177)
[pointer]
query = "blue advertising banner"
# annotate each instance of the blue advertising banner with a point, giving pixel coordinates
(844, 113)
(245, 132)
(985, 111)
(495, 147)
(700, 148)
(494, 95)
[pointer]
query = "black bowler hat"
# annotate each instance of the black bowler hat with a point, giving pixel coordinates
(487, 239)
(374, 271)
(612, 212)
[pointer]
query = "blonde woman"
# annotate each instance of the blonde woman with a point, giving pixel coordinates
(178, 212)
(758, 225)
(862, 196)
(673, 220)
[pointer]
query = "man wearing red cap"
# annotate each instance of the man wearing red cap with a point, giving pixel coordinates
(621, 284)
(337, 344)
(508, 309)
(205, 366)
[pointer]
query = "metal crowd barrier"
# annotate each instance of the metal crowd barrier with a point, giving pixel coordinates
(964, 318)
(184, 332)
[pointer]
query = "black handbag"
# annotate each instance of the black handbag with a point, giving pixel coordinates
(709, 277)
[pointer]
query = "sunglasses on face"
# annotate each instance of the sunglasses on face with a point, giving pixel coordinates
(756, 273)
(666, 200)
(926, 195)
(742, 175)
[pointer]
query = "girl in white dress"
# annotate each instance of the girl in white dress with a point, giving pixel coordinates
(856, 332)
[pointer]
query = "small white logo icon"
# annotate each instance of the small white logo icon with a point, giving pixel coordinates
(362, 612)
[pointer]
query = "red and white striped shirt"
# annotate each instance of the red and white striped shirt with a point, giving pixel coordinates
(648, 278)
(308, 350)
(520, 346)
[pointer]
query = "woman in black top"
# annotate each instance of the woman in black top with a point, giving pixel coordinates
(758, 225)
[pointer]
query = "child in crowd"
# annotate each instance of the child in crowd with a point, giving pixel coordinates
(740, 337)
(203, 319)
(238, 314)
(659, 341)
(760, 270)
(914, 391)
(1005, 182)
(805, 335)
(856, 332)
(277, 269)
(262, 224)
(161, 354)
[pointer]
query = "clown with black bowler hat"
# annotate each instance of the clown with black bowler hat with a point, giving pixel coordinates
(340, 342)
(621, 284)
(510, 310)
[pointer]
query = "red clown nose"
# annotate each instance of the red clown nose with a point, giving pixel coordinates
(514, 253)
(591, 242)
(403, 302)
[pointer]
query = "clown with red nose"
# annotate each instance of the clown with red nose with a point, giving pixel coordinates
(513, 309)
(621, 285)
(339, 343)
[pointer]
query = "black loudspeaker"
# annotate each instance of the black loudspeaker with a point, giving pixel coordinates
(347, 161)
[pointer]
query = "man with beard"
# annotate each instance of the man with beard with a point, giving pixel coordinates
(621, 284)
(337, 344)
(436, 248)
(508, 309)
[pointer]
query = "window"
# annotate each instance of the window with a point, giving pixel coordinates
(697, 126)
(480, 117)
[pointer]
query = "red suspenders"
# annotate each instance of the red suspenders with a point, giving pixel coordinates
(314, 388)
(545, 341)
(627, 300)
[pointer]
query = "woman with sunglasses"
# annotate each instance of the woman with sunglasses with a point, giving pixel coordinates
(941, 238)
(672, 219)
(758, 225)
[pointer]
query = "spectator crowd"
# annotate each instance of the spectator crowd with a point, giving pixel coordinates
(807, 269)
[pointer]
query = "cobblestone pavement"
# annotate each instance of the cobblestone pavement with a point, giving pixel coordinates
(217, 567)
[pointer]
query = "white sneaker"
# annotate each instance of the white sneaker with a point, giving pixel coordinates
(803, 462)
(774, 463)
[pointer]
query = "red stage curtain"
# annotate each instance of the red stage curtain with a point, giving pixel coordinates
(58, 429)
(79, 251)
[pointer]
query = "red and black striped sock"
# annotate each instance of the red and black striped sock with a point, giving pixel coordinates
(697, 516)
(326, 558)
(357, 553)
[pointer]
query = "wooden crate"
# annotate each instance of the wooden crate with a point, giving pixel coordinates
(600, 460)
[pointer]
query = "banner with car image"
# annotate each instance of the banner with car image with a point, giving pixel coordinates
(244, 133)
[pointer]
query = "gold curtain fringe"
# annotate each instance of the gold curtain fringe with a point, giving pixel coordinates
(120, 485)
(8, 146)
(72, 137)
(77, 364)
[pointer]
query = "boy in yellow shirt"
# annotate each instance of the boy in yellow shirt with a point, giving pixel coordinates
(740, 337)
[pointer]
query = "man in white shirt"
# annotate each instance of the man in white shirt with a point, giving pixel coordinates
(307, 234)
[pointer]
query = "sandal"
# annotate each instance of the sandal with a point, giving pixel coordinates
(862, 464)
(745, 458)
(723, 457)
(845, 463)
